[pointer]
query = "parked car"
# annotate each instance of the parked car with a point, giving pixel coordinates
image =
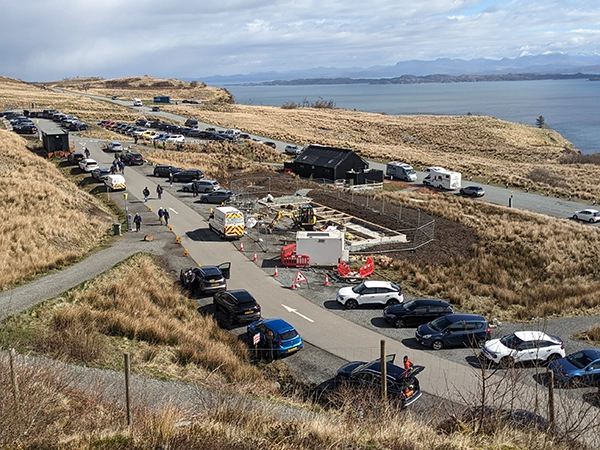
(132, 159)
(286, 339)
(88, 164)
(238, 305)
(402, 384)
(578, 369)
(100, 173)
(524, 346)
(155, 108)
(587, 215)
(217, 196)
(292, 150)
(163, 171)
(454, 330)
(367, 292)
(416, 312)
(205, 279)
(192, 123)
(188, 175)
(75, 157)
(114, 146)
(176, 138)
(25, 128)
(201, 186)
(472, 191)
(271, 144)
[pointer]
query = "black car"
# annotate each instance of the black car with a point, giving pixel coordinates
(271, 144)
(238, 305)
(155, 108)
(454, 330)
(402, 384)
(25, 128)
(163, 171)
(75, 157)
(205, 279)
(473, 191)
(188, 175)
(416, 312)
(132, 159)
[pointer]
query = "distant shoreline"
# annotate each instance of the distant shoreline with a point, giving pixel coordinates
(436, 78)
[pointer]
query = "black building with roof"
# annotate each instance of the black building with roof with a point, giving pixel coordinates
(331, 163)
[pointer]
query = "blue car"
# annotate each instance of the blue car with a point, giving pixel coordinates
(578, 369)
(286, 339)
(454, 330)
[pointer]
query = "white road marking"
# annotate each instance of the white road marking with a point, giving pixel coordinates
(173, 210)
(295, 311)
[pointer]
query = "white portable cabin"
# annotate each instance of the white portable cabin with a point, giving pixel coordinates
(325, 248)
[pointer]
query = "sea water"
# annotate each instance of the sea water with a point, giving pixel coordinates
(570, 107)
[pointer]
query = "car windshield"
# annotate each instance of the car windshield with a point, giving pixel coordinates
(511, 341)
(579, 359)
(439, 324)
(290, 334)
(409, 306)
(359, 289)
(410, 171)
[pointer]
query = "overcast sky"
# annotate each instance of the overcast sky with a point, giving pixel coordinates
(49, 40)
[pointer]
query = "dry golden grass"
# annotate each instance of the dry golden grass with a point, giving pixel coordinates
(47, 221)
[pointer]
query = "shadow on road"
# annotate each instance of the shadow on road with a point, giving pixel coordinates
(202, 234)
(380, 322)
(333, 304)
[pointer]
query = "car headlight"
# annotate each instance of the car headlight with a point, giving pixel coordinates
(426, 336)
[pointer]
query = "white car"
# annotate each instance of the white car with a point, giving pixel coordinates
(587, 215)
(88, 165)
(368, 292)
(177, 138)
(292, 150)
(524, 346)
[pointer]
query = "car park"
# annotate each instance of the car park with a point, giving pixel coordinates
(416, 312)
(581, 368)
(370, 292)
(587, 215)
(88, 164)
(201, 186)
(188, 175)
(292, 150)
(402, 384)
(454, 330)
(163, 171)
(218, 196)
(472, 191)
(205, 280)
(75, 157)
(238, 305)
(285, 339)
(132, 159)
(524, 346)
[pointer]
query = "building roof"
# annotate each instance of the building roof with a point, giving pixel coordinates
(318, 155)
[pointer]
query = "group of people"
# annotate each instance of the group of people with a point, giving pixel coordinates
(117, 166)
(163, 213)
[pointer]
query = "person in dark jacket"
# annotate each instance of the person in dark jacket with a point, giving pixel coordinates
(137, 220)
(146, 193)
(166, 216)
(159, 191)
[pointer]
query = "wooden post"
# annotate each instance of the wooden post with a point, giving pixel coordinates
(13, 378)
(127, 398)
(551, 417)
(383, 371)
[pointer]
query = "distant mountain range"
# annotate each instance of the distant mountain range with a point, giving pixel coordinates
(439, 70)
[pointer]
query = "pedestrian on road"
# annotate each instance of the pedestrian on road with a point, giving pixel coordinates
(122, 167)
(161, 214)
(87, 153)
(146, 193)
(138, 221)
(166, 216)
(170, 178)
(159, 191)
(195, 188)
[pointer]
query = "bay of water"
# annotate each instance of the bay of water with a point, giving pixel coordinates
(570, 107)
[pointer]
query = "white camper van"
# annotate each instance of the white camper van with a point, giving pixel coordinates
(137, 102)
(442, 179)
(401, 171)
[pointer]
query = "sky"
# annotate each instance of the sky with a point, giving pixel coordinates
(51, 40)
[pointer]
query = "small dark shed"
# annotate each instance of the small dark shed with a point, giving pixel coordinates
(162, 99)
(331, 163)
(55, 141)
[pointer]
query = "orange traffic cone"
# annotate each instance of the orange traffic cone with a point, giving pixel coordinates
(293, 286)
(276, 274)
(326, 280)
(241, 246)
(255, 258)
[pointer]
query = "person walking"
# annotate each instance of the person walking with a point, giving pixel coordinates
(161, 214)
(146, 193)
(166, 216)
(408, 365)
(270, 338)
(137, 220)
(159, 191)
(122, 167)
(170, 178)
(195, 188)
(87, 153)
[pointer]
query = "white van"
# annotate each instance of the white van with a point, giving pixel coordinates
(402, 171)
(137, 102)
(115, 182)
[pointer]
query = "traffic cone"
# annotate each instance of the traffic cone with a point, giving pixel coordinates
(185, 252)
(177, 240)
(326, 280)
(293, 286)
(241, 246)
(255, 258)
(276, 274)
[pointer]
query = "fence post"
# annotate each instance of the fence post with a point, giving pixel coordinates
(551, 400)
(383, 371)
(383, 205)
(13, 378)
(127, 398)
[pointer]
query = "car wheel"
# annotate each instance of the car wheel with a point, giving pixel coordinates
(351, 304)
(399, 323)
(575, 217)
(176, 179)
(506, 362)
(156, 174)
(437, 345)
(591, 220)
(392, 301)
(184, 189)
(204, 200)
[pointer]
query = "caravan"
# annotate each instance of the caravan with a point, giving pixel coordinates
(402, 171)
(137, 102)
(438, 177)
